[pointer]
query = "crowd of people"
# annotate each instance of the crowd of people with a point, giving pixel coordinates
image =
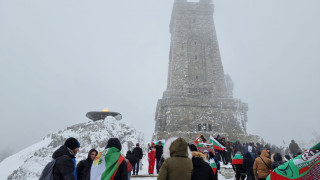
(175, 160)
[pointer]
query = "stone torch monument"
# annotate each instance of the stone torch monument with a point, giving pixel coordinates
(198, 98)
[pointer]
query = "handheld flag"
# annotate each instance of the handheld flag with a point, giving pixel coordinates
(156, 142)
(213, 165)
(216, 144)
(205, 146)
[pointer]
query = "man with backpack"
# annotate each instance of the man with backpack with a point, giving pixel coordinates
(65, 160)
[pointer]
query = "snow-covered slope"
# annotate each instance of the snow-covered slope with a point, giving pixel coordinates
(28, 163)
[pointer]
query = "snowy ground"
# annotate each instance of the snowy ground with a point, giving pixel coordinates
(144, 171)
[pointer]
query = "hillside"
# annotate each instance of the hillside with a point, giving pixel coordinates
(28, 163)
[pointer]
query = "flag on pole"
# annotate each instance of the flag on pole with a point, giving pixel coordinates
(216, 144)
(304, 167)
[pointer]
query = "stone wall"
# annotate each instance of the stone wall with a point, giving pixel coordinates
(198, 98)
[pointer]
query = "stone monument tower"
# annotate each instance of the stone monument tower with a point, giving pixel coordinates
(198, 98)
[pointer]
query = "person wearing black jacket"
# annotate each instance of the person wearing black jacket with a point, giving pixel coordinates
(201, 169)
(159, 152)
(64, 168)
(132, 159)
(137, 152)
(84, 166)
(248, 165)
(277, 161)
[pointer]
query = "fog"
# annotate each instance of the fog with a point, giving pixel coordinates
(61, 59)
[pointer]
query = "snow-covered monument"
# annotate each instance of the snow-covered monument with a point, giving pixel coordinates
(198, 98)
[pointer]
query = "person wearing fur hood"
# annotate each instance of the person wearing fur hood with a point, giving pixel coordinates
(201, 169)
(177, 164)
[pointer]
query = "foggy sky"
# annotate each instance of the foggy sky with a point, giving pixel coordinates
(61, 59)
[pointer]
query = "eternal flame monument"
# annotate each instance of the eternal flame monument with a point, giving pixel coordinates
(198, 98)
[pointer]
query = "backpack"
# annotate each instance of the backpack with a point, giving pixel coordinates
(47, 172)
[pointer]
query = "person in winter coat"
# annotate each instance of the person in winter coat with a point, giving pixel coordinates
(159, 152)
(178, 163)
(223, 153)
(248, 165)
(84, 166)
(228, 152)
(237, 165)
(137, 152)
(218, 152)
(65, 166)
(201, 169)
(215, 165)
(237, 146)
(277, 161)
(151, 159)
(262, 165)
(294, 148)
(132, 159)
(110, 164)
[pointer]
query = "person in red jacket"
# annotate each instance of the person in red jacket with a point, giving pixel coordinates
(151, 159)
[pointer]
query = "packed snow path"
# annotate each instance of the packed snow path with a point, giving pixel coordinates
(143, 174)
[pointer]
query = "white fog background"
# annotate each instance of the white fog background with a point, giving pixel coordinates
(60, 59)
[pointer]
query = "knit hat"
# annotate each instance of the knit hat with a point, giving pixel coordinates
(137, 144)
(114, 142)
(72, 143)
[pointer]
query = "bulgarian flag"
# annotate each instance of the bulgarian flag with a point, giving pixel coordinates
(106, 164)
(304, 167)
(205, 146)
(157, 142)
(196, 141)
(237, 159)
(216, 144)
(213, 165)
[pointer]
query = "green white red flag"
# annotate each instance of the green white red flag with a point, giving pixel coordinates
(237, 159)
(213, 165)
(156, 142)
(106, 164)
(197, 140)
(205, 146)
(216, 144)
(304, 167)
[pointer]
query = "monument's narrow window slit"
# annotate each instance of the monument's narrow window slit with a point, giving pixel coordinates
(195, 57)
(199, 127)
(210, 127)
